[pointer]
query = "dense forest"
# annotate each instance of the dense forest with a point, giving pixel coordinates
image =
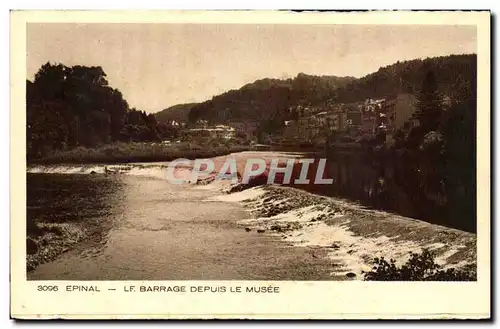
(74, 106)
(262, 99)
(177, 113)
(454, 73)
(266, 99)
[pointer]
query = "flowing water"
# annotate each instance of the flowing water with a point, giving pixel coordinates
(127, 222)
(137, 226)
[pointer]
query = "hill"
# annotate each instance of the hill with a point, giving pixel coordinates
(177, 113)
(453, 73)
(264, 98)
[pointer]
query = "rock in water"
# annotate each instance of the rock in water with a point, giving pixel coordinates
(350, 275)
(276, 228)
(248, 229)
(261, 231)
(335, 246)
(31, 246)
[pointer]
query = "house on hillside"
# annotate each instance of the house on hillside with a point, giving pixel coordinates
(368, 125)
(312, 128)
(354, 117)
(201, 124)
(248, 127)
(336, 122)
(219, 131)
(404, 107)
(291, 131)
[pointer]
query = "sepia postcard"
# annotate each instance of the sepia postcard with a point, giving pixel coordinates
(250, 165)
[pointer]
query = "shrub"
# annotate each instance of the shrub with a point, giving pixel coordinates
(137, 152)
(420, 267)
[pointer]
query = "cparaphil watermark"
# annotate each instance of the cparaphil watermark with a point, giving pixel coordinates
(271, 171)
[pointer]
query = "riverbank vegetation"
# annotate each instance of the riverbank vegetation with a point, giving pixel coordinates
(139, 152)
(419, 267)
(74, 116)
(72, 109)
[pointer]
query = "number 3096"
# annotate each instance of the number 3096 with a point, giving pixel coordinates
(47, 288)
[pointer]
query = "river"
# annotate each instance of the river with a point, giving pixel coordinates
(84, 224)
(140, 227)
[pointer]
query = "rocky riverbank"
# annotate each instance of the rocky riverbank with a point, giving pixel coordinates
(65, 209)
(352, 235)
(50, 240)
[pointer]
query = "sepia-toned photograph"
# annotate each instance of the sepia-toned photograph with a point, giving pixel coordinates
(110, 105)
(177, 151)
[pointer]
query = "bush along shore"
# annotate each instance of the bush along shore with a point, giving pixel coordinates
(358, 240)
(139, 152)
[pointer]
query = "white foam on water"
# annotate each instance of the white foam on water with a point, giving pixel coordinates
(278, 201)
(304, 214)
(160, 172)
(356, 253)
(65, 169)
(443, 258)
(139, 169)
(436, 245)
(351, 252)
(154, 172)
(216, 185)
(248, 194)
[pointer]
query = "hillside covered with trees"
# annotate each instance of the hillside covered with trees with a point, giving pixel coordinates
(262, 99)
(266, 99)
(178, 113)
(74, 106)
(454, 73)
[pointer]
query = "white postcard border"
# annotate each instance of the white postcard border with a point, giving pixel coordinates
(296, 299)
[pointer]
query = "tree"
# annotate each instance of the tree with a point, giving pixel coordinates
(75, 106)
(399, 137)
(460, 162)
(429, 103)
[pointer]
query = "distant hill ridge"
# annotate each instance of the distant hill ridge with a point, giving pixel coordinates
(177, 113)
(262, 99)
(453, 72)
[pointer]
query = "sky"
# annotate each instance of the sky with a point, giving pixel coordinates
(159, 65)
